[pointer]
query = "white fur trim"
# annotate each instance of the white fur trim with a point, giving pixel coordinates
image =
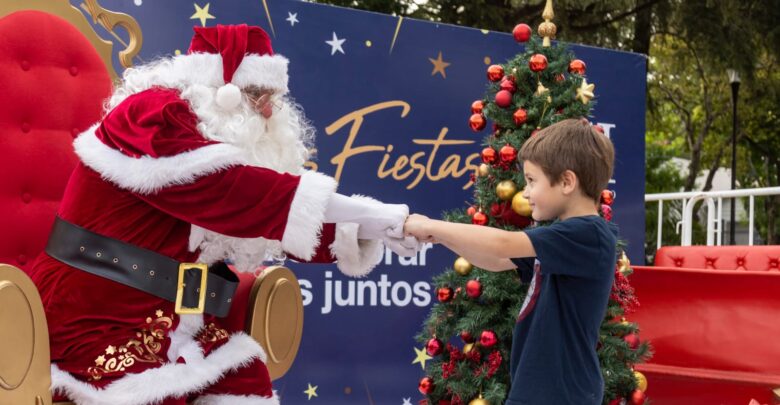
(307, 213)
(169, 380)
(265, 71)
(183, 343)
(146, 174)
(247, 254)
(356, 257)
(236, 400)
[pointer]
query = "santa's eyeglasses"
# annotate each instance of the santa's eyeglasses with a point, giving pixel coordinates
(265, 102)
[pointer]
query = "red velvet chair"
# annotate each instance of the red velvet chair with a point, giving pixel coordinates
(711, 313)
(55, 73)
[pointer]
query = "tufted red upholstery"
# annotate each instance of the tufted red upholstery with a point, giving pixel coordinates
(711, 315)
(52, 84)
(752, 258)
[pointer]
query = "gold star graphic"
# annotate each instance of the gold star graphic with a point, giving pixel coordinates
(311, 392)
(110, 350)
(202, 14)
(159, 313)
(585, 91)
(422, 357)
(439, 65)
(100, 360)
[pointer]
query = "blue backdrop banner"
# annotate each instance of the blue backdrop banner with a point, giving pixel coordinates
(390, 98)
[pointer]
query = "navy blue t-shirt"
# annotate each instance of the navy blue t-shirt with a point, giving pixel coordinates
(553, 359)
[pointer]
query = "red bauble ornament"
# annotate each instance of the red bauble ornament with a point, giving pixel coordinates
(607, 197)
(466, 337)
(506, 215)
(599, 128)
(477, 122)
(495, 73)
(615, 401)
(426, 386)
(474, 288)
(508, 154)
(520, 116)
(477, 106)
(488, 155)
(632, 339)
(495, 209)
(471, 211)
(488, 339)
(638, 397)
(503, 98)
(508, 85)
(538, 62)
(479, 219)
(445, 294)
(607, 211)
(577, 66)
(522, 32)
(445, 402)
(560, 77)
(434, 347)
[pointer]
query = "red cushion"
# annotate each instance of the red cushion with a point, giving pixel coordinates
(53, 84)
(752, 258)
(711, 327)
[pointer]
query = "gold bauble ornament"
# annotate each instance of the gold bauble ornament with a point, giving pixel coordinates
(462, 266)
(641, 381)
(468, 347)
(483, 170)
(479, 401)
(585, 91)
(624, 322)
(506, 189)
(521, 205)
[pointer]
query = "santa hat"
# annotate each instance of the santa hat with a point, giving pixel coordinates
(231, 57)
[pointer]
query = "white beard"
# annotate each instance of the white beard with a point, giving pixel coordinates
(281, 143)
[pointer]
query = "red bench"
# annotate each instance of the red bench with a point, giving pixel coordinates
(711, 313)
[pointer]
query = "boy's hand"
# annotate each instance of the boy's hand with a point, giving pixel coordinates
(419, 226)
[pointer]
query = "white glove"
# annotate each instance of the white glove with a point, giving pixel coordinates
(373, 217)
(405, 247)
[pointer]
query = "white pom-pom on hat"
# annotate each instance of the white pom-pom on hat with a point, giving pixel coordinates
(228, 96)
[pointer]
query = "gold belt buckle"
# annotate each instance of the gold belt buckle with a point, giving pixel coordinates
(204, 270)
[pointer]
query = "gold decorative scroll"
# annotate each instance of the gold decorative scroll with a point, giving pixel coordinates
(107, 19)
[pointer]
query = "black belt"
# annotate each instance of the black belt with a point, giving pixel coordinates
(194, 287)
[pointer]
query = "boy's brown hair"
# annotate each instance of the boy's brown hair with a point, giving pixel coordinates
(573, 144)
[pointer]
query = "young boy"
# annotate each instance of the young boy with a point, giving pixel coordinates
(553, 358)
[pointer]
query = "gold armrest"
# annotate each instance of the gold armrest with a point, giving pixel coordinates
(275, 317)
(25, 372)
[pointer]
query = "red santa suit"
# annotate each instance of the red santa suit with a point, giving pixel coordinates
(156, 174)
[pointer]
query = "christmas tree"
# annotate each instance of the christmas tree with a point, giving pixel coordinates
(468, 333)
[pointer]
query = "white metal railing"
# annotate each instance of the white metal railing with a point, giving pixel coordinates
(714, 224)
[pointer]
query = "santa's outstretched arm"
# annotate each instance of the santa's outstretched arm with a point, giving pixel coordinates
(234, 207)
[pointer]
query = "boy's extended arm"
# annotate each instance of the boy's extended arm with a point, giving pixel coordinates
(488, 263)
(485, 247)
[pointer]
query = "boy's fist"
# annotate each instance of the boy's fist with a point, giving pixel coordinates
(419, 226)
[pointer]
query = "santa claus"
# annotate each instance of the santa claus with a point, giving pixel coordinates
(198, 160)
